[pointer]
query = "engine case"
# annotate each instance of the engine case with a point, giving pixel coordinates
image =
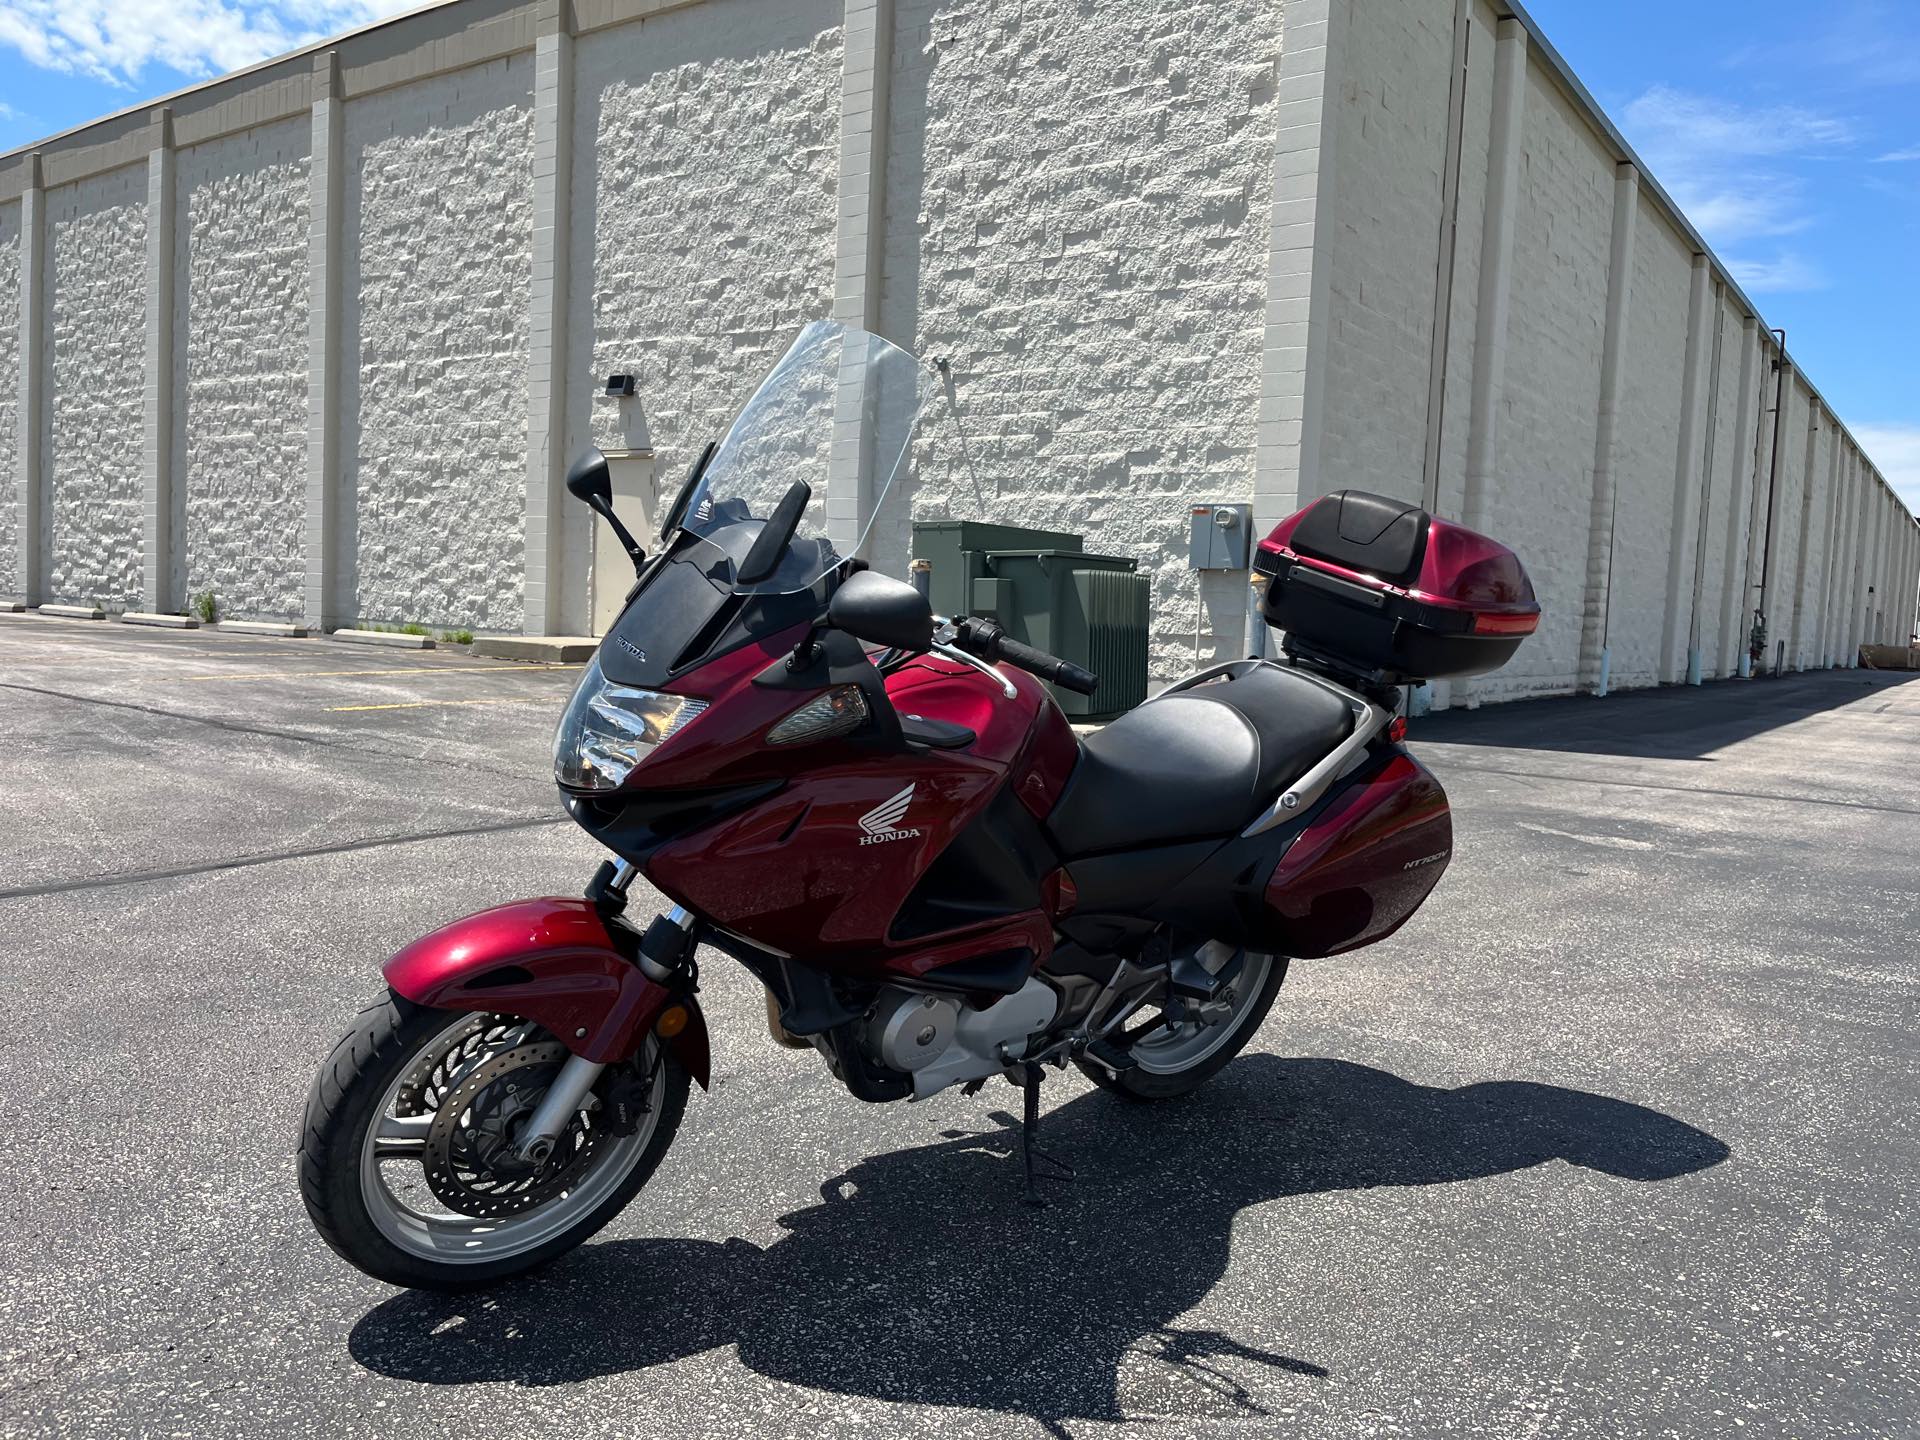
(941, 1040)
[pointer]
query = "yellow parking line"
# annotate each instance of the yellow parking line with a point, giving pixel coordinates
(422, 704)
(389, 670)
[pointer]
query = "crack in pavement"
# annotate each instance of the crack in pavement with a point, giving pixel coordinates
(109, 880)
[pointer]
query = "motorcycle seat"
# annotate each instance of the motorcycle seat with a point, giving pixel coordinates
(1197, 763)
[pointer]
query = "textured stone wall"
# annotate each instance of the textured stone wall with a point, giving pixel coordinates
(1078, 196)
(9, 393)
(705, 149)
(240, 377)
(1081, 204)
(96, 359)
(439, 241)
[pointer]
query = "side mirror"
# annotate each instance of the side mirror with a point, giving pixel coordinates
(589, 480)
(882, 611)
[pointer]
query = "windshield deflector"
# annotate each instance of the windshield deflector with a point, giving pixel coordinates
(837, 387)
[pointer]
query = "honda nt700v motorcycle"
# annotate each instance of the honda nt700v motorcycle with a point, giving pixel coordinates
(883, 815)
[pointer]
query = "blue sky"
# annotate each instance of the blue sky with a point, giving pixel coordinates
(1789, 132)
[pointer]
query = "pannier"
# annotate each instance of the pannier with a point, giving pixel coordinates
(1384, 590)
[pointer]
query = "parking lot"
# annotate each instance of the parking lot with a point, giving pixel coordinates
(1617, 1137)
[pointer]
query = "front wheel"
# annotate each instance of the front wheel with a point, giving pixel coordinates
(407, 1161)
(1178, 1056)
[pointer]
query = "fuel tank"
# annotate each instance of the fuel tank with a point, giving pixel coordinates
(1364, 864)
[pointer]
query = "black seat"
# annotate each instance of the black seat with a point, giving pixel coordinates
(1197, 763)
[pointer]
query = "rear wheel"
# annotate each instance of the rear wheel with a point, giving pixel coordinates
(407, 1160)
(1188, 1044)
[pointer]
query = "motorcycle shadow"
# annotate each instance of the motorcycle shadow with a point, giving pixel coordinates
(920, 1277)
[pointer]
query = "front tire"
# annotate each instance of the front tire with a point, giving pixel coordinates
(1166, 1065)
(375, 1185)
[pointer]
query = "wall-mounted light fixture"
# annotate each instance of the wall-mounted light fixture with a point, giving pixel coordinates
(620, 386)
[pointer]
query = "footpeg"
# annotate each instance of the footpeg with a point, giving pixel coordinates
(1105, 1052)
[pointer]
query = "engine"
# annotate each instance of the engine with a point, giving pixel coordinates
(940, 1040)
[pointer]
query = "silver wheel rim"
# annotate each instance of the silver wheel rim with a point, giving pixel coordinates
(1170, 1050)
(407, 1214)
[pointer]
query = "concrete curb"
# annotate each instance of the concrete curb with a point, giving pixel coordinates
(12, 607)
(168, 622)
(283, 628)
(563, 649)
(73, 612)
(385, 637)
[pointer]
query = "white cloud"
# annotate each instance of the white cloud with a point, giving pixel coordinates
(114, 40)
(1895, 448)
(1894, 157)
(1785, 271)
(1672, 124)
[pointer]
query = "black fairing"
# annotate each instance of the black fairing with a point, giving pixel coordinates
(681, 613)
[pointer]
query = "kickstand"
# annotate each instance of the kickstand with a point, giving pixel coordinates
(1030, 1153)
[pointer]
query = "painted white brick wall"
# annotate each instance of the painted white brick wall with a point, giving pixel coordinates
(1390, 147)
(96, 344)
(438, 265)
(1645, 444)
(706, 144)
(1718, 479)
(1078, 198)
(9, 391)
(1558, 309)
(240, 318)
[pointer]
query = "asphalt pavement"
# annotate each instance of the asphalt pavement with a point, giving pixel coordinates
(1617, 1137)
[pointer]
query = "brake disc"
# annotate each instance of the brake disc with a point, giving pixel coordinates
(470, 1160)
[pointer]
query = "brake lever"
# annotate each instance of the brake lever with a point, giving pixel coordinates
(953, 653)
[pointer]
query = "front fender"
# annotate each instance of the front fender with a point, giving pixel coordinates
(552, 961)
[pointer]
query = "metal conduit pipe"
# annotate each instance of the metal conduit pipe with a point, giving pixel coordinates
(1773, 476)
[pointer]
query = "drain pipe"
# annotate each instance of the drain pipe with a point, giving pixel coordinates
(1780, 367)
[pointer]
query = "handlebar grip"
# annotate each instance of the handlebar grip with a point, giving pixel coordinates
(1063, 673)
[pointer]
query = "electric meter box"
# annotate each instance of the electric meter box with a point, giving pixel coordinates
(1220, 537)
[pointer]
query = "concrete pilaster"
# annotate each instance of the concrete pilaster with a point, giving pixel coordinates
(1739, 508)
(1601, 507)
(1830, 533)
(1856, 603)
(547, 327)
(325, 540)
(859, 246)
(1843, 554)
(1286, 471)
(1771, 560)
(31, 539)
(1681, 546)
(1496, 272)
(1797, 600)
(156, 449)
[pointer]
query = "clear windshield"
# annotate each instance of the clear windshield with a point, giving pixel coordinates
(839, 395)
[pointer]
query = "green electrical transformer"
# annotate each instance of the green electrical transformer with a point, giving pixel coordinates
(1049, 593)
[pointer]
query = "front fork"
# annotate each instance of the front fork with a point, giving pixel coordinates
(569, 1089)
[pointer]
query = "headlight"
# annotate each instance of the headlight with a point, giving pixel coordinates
(608, 729)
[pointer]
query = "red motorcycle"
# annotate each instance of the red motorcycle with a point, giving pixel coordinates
(883, 815)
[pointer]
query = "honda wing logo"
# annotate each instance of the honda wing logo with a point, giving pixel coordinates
(880, 822)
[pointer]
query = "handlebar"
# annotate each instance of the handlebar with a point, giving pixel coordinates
(988, 641)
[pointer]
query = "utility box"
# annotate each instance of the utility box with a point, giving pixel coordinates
(958, 551)
(1220, 537)
(1045, 591)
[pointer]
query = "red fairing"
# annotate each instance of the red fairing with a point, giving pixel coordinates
(550, 961)
(820, 870)
(1366, 864)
